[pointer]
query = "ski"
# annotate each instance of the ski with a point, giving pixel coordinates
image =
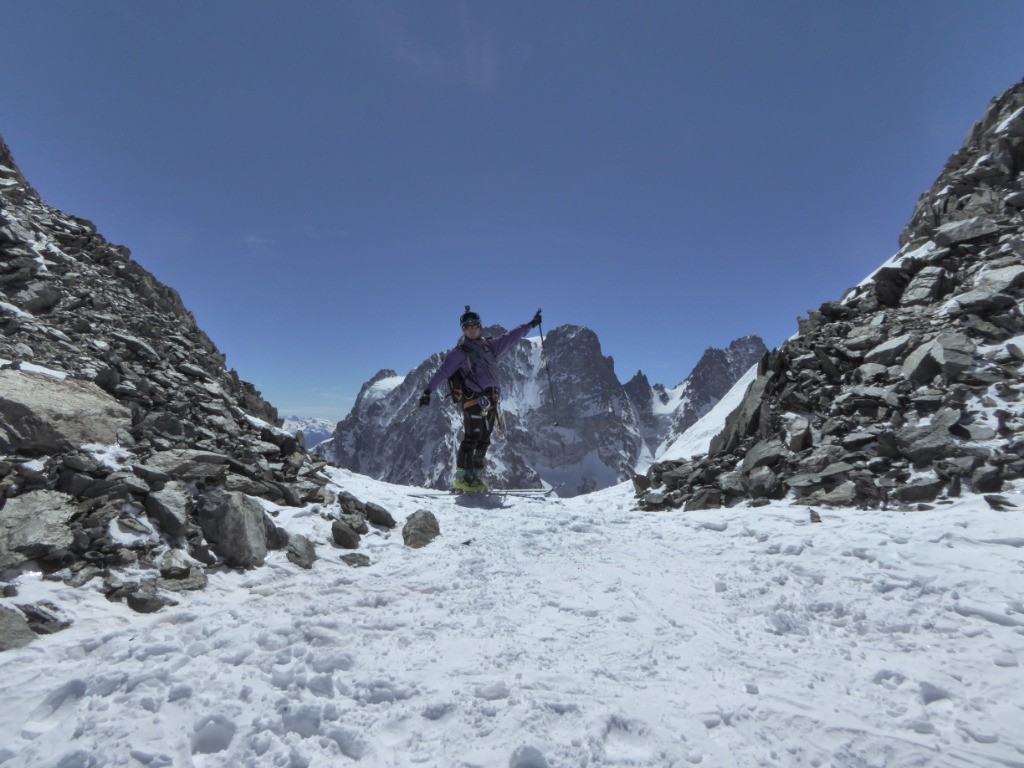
(540, 492)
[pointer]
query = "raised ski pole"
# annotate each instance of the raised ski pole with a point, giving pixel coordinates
(544, 359)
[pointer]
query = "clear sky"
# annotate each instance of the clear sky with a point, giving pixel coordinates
(328, 183)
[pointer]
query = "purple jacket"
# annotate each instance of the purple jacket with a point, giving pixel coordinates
(487, 352)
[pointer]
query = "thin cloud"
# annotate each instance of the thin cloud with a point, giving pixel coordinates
(256, 240)
(474, 63)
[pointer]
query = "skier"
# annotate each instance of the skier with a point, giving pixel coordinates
(471, 368)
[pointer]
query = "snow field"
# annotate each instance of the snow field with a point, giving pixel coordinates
(557, 632)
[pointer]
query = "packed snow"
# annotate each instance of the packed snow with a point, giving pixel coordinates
(555, 632)
(382, 388)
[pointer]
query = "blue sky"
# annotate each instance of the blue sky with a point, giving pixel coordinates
(328, 183)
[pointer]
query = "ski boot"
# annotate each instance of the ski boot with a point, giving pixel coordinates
(463, 482)
(477, 484)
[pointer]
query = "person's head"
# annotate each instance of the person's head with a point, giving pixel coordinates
(470, 322)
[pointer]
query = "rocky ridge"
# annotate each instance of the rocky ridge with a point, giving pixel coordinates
(907, 391)
(128, 452)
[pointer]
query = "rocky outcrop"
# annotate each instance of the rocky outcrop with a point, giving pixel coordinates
(124, 439)
(42, 414)
(907, 391)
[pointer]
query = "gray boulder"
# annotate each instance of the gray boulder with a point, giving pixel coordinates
(1003, 279)
(421, 528)
(344, 535)
(377, 515)
(233, 524)
(932, 440)
(704, 498)
(301, 551)
(965, 230)
(14, 630)
(189, 464)
(949, 354)
(891, 351)
(762, 483)
(170, 507)
(928, 285)
(918, 491)
(43, 414)
(800, 436)
(764, 454)
(33, 525)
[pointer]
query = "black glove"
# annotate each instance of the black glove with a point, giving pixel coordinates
(536, 320)
(425, 398)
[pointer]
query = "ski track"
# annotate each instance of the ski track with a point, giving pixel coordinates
(555, 632)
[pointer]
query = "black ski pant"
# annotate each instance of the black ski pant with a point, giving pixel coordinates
(478, 425)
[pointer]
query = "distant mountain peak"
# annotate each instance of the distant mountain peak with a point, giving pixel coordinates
(603, 427)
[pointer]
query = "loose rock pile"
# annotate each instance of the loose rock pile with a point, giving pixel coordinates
(128, 452)
(908, 390)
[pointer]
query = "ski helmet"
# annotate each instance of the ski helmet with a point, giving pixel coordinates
(469, 318)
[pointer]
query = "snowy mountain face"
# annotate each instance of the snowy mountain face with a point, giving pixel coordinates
(314, 431)
(906, 392)
(571, 425)
(665, 414)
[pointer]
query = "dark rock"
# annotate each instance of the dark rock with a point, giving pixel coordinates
(14, 629)
(233, 524)
(963, 231)
(930, 441)
(170, 507)
(344, 535)
(762, 482)
(891, 351)
(987, 479)
(356, 560)
(277, 538)
(144, 598)
(999, 503)
(301, 551)
(421, 527)
(379, 516)
(766, 453)
(930, 284)
(175, 565)
(35, 525)
(44, 618)
(704, 498)
(917, 491)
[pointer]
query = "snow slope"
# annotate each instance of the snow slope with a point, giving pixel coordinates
(556, 632)
(697, 439)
